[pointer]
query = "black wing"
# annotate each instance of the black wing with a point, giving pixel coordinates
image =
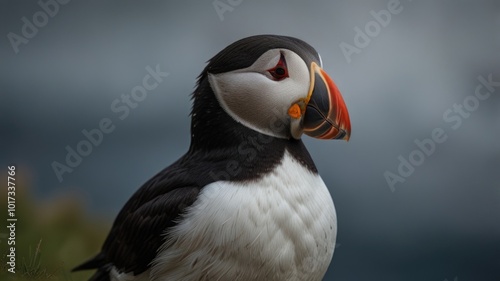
(138, 230)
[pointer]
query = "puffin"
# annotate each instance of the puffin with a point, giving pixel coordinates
(246, 201)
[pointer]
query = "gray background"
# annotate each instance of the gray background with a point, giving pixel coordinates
(442, 222)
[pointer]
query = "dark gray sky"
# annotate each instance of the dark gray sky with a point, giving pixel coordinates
(411, 77)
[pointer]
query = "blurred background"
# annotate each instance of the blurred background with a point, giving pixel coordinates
(401, 79)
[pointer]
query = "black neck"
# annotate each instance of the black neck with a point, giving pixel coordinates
(242, 152)
(211, 126)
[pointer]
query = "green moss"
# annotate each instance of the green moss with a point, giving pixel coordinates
(51, 238)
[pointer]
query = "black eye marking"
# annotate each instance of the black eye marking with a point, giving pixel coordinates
(280, 71)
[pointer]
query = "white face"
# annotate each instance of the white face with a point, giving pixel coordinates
(259, 97)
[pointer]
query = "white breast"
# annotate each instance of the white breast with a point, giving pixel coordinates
(280, 227)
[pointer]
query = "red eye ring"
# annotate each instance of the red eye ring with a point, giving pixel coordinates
(280, 71)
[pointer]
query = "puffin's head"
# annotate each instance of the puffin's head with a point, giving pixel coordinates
(275, 85)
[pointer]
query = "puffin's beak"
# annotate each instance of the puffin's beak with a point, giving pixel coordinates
(325, 115)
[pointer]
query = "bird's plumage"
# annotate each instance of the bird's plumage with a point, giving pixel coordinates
(153, 236)
(137, 232)
(281, 226)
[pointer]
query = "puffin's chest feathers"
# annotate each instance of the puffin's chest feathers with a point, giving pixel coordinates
(279, 227)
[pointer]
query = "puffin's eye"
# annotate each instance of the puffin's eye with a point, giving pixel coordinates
(280, 71)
